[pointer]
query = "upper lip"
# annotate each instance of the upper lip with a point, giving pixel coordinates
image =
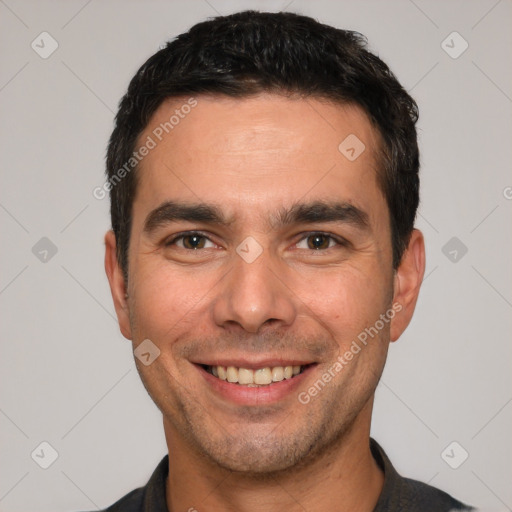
(253, 364)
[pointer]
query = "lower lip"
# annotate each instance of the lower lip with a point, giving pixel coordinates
(244, 395)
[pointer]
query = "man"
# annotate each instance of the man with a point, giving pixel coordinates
(263, 174)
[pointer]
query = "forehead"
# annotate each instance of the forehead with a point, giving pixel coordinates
(258, 151)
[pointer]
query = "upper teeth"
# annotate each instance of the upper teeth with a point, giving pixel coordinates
(260, 376)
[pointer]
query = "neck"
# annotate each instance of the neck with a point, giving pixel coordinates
(345, 478)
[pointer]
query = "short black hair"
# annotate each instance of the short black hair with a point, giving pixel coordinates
(251, 52)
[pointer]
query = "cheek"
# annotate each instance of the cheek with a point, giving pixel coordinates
(167, 301)
(344, 301)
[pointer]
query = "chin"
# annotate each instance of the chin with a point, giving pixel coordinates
(260, 461)
(257, 454)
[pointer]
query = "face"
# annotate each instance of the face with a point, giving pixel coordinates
(259, 254)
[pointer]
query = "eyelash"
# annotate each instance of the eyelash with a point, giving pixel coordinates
(339, 241)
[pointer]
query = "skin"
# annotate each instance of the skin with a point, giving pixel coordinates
(252, 157)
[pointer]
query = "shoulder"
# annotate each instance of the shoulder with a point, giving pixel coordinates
(414, 495)
(131, 502)
(401, 493)
(151, 497)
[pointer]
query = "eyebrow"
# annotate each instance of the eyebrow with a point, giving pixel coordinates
(321, 211)
(173, 211)
(299, 213)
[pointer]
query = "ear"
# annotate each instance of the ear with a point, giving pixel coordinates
(407, 283)
(117, 285)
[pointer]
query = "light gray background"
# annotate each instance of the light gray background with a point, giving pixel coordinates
(68, 376)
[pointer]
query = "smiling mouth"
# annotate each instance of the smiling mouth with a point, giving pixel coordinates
(254, 378)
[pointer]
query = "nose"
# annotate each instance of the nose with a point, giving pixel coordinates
(253, 296)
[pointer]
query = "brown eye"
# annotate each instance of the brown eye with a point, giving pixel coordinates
(192, 241)
(318, 241)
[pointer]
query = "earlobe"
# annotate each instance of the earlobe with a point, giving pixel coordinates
(408, 279)
(117, 285)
